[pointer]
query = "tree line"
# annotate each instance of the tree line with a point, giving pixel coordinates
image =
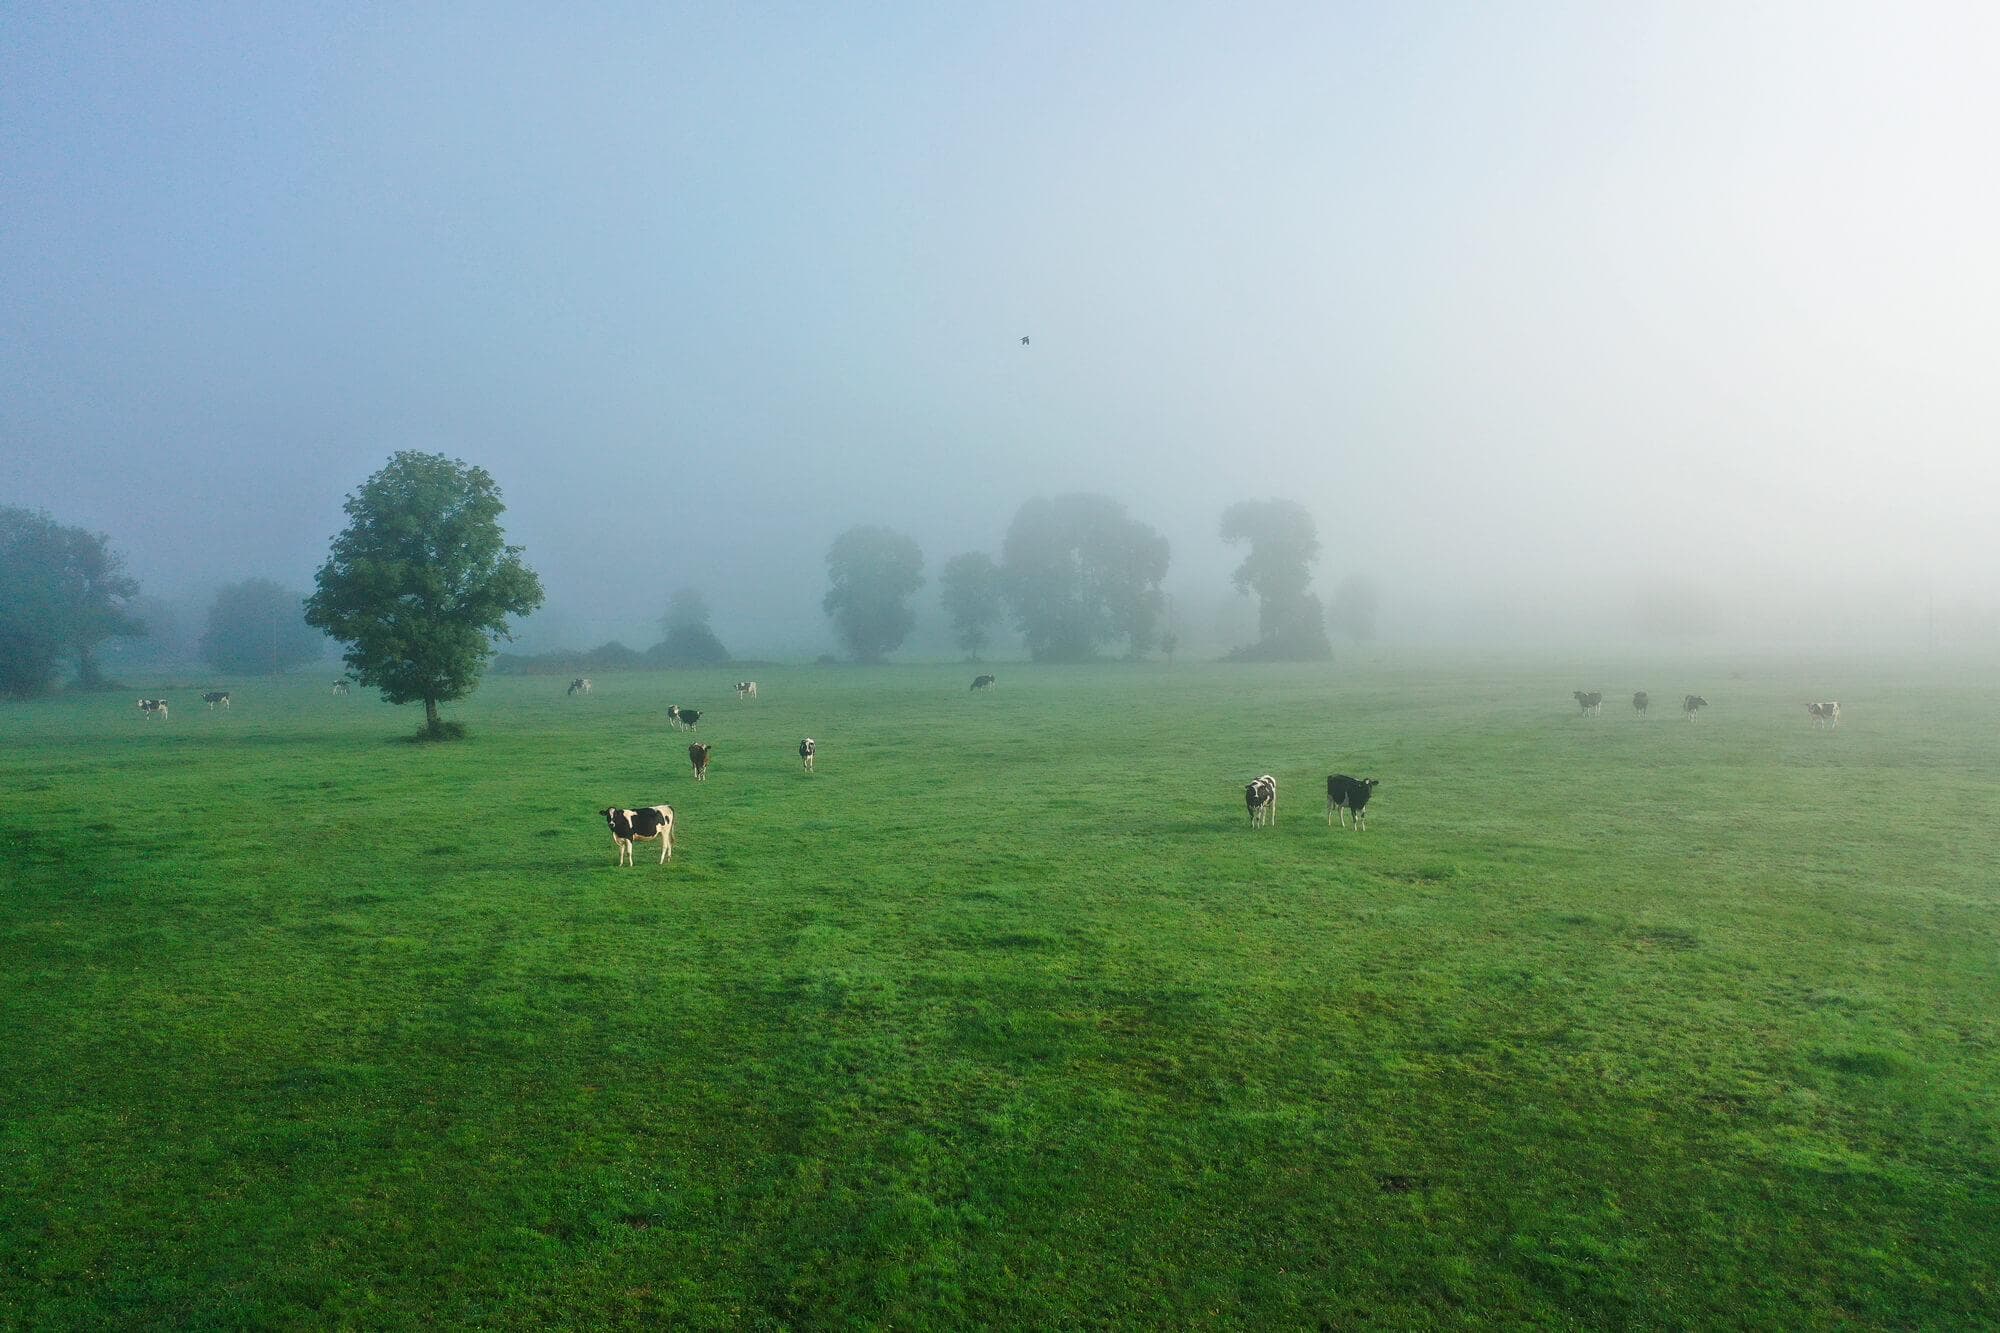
(421, 584)
(1079, 577)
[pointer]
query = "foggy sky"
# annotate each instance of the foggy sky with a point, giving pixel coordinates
(1531, 305)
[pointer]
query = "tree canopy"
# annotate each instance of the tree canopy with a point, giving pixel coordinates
(256, 628)
(1284, 543)
(421, 581)
(972, 598)
(872, 572)
(63, 592)
(1080, 574)
(686, 639)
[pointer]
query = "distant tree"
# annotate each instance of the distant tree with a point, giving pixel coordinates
(63, 592)
(1283, 546)
(686, 638)
(1080, 574)
(872, 572)
(972, 598)
(421, 582)
(256, 628)
(1353, 609)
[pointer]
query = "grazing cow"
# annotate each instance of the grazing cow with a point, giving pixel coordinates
(1642, 701)
(1589, 703)
(1826, 714)
(153, 708)
(629, 826)
(982, 682)
(683, 717)
(580, 685)
(340, 689)
(214, 697)
(746, 689)
(698, 756)
(1260, 798)
(807, 749)
(1690, 704)
(1349, 794)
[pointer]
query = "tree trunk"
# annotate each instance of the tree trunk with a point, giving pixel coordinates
(431, 721)
(87, 673)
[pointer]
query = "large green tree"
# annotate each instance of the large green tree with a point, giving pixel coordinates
(63, 592)
(1080, 574)
(421, 581)
(256, 628)
(1278, 568)
(972, 599)
(871, 573)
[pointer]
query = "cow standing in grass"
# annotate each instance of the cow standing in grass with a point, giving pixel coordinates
(153, 708)
(340, 689)
(1347, 795)
(1642, 701)
(1690, 705)
(1589, 703)
(578, 686)
(982, 682)
(644, 825)
(1260, 798)
(807, 750)
(745, 689)
(214, 697)
(683, 717)
(698, 756)
(1825, 714)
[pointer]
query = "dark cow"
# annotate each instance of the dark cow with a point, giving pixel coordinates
(214, 697)
(629, 826)
(982, 682)
(698, 756)
(1690, 704)
(581, 685)
(807, 749)
(1825, 714)
(1642, 701)
(153, 708)
(683, 717)
(1349, 794)
(1260, 798)
(1589, 703)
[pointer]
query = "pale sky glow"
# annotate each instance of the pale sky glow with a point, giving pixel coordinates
(1505, 294)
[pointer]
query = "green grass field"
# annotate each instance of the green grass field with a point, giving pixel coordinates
(1005, 1018)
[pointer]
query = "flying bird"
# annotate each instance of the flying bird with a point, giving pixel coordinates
(1024, 340)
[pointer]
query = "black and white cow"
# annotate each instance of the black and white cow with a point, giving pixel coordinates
(1589, 703)
(807, 749)
(683, 717)
(698, 756)
(1642, 701)
(1825, 714)
(630, 826)
(1260, 798)
(746, 689)
(340, 689)
(581, 685)
(153, 708)
(982, 682)
(1689, 706)
(1347, 794)
(214, 697)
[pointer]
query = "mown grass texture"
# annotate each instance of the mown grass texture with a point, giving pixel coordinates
(1005, 1017)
